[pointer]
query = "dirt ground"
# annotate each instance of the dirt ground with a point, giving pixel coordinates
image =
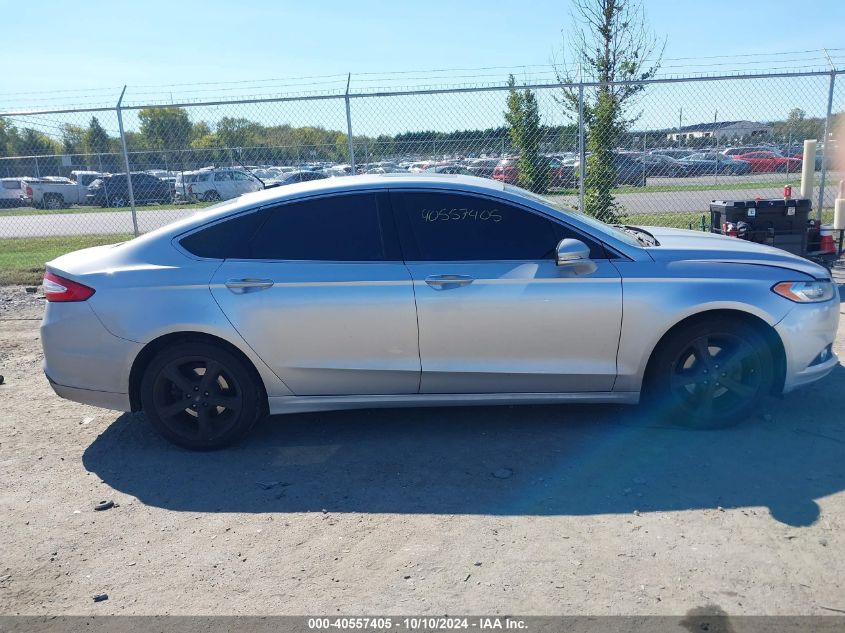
(520, 510)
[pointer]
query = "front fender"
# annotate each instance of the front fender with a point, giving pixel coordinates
(659, 295)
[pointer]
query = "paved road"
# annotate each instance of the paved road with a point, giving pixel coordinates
(638, 203)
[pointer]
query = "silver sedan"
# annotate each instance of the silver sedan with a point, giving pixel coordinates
(415, 290)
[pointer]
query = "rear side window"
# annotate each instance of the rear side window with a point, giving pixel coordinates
(337, 228)
(229, 239)
(11, 184)
(351, 227)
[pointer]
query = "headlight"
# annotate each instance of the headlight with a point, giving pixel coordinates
(805, 291)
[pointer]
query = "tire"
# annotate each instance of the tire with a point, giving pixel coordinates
(117, 201)
(211, 196)
(53, 202)
(217, 412)
(681, 385)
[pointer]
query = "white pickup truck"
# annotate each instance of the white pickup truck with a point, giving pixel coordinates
(54, 192)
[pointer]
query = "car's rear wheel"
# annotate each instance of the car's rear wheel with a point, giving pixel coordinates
(211, 196)
(118, 201)
(710, 374)
(200, 396)
(53, 201)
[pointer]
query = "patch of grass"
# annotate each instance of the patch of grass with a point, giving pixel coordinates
(147, 207)
(22, 259)
(766, 184)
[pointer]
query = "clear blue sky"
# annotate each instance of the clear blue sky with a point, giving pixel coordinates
(49, 45)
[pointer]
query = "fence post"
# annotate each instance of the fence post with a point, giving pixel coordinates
(126, 163)
(826, 143)
(582, 152)
(349, 126)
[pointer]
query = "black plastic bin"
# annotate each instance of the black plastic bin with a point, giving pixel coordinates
(776, 222)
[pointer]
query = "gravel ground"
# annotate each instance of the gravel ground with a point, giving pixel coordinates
(521, 510)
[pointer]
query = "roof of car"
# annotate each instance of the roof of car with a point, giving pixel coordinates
(374, 181)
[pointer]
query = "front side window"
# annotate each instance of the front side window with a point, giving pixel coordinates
(459, 227)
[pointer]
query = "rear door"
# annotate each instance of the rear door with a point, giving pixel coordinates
(323, 297)
(495, 312)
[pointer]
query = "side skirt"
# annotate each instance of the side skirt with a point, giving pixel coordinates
(301, 404)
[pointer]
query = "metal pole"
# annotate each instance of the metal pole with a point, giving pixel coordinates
(643, 159)
(126, 164)
(582, 152)
(716, 147)
(349, 127)
(37, 171)
(826, 144)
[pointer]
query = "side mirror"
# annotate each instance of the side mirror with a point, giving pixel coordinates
(575, 255)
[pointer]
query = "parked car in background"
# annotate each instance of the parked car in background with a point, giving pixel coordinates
(672, 153)
(629, 170)
(768, 162)
(482, 167)
(376, 291)
(709, 163)
(745, 149)
(85, 177)
(298, 176)
(660, 165)
(558, 174)
(449, 169)
(113, 190)
(57, 192)
(12, 192)
(221, 183)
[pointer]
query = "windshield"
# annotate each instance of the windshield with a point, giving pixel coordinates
(598, 225)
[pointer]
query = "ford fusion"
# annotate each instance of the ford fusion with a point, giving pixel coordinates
(413, 290)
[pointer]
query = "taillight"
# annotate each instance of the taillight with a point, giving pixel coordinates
(191, 189)
(29, 192)
(60, 289)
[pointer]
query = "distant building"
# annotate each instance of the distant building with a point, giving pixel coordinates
(721, 130)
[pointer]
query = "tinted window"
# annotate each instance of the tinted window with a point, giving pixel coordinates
(227, 239)
(335, 228)
(454, 227)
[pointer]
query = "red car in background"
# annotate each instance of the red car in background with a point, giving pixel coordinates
(768, 162)
(559, 175)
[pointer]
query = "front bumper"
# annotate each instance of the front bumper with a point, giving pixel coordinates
(805, 332)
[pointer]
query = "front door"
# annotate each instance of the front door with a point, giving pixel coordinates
(495, 312)
(325, 299)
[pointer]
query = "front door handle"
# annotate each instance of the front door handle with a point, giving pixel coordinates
(445, 282)
(249, 284)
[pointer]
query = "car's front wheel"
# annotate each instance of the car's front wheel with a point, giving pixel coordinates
(200, 395)
(710, 374)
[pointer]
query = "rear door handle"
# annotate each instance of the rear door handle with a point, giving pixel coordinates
(445, 282)
(248, 284)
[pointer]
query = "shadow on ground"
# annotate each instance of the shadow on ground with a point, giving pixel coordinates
(541, 460)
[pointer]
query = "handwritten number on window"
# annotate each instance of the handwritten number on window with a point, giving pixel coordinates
(460, 215)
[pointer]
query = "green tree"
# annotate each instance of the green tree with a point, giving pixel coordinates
(9, 139)
(523, 119)
(612, 44)
(35, 143)
(96, 140)
(238, 132)
(73, 139)
(165, 128)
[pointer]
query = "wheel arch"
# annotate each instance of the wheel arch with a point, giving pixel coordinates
(764, 329)
(149, 351)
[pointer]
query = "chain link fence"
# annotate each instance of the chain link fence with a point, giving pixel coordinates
(653, 153)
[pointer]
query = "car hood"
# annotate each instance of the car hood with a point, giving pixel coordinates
(683, 244)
